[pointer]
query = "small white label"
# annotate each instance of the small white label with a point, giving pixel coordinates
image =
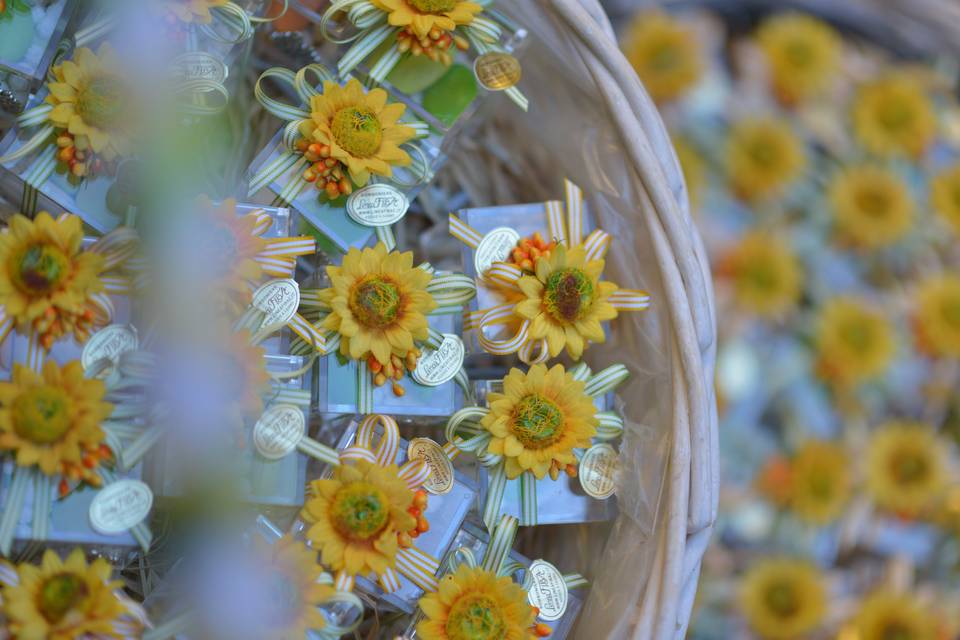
(377, 205)
(496, 246)
(598, 467)
(279, 301)
(278, 431)
(548, 592)
(442, 364)
(441, 469)
(197, 65)
(108, 344)
(119, 506)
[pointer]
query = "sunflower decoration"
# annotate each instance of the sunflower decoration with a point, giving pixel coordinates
(936, 318)
(906, 471)
(539, 419)
(91, 112)
(884, 614)
(764, 156)
(820, 482)
(765, 274)
(854, 342)
(429, 27)
(52, 421)
(945, 196)
(802, 55)
(665, 54)
(351, 135)
(892, 116)
(871, 205)
(66, 600)
(783, 598)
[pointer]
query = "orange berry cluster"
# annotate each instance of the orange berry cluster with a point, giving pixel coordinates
(393, 370)
(54, 323)
(85, 470)
(79, 159)
(436, 45)
(328, 174)
(419, 506)
(531, 249)
(556, 467)
(540, 629)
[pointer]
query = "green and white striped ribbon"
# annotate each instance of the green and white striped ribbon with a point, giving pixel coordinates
(96, 30)
(452, 289)
(342, 602)
(528, 499)
(498, 549)
(610, 427)
(140, 531)
(606, 380)
(385, 64)
(130, 455)
(297, 397)
(351, 7)
(366, 44)
(364, 388)
(386, 236)
(20, 480)
(38, 173)
(235, 19)
(496, 487)
(199, 91)
(42, 500)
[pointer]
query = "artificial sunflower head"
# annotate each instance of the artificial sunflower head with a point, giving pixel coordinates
(230, 246)
(802, 54)
(475, 604)
(91, 110)
(854, 342)
(539, 419)
(359, 131)
(693, 167)
(945, 196)
(429, 23)
(358, 516)
(892, 116)
(63, 600)
(52, 420)
(820, 484)
(906, 471)
(565, 300)
(871, 206)
(765, 274)
(764, 156)
(379, 304)
(783, 598)
(665, 54)
(937, 316)
(884, 615)
(47, 279)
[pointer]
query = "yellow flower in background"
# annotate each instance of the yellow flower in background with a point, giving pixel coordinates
(63, 600)
(191, 11)
(294, 570)
(765, 274)
(47, 279)
(241, 370)
(52, 420)
(783, 598)
(884, 615)
(475, 604)
(764, 156)
(945, 195)
(892, 116)
(871, 206)
(820, 485)
(802, 55)
(906, 470)
(231, 244)
(665, 54)
(854, 342)
(356, 516)
(538, 420)
(360, 130)
(693, 167)
(937, 316)
(566, 301)
(423, 16)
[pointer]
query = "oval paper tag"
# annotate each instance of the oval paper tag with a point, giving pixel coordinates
(279, 300)
(548, 592)
(497, 70)
(377, 205)
(197, 65)
(442, 364)
(109, 344)
(496, 246)
(119, 506)
(597, 469)
(441, 469)
(278, 431)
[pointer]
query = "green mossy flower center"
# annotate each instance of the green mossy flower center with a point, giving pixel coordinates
(41, 415)
(433, 6)
(537, 422)
(475, 618)
(872, 202)
(357, 130)
(800, 54)
(101, 101)
(568, 295)
(781, 598)
(375, 302)
(360, 511)
(762, 277)
(897, 631)
(909, 468)
(39, 268)
(59, 594)
(895, 113)
(857, 335)
(951, 312)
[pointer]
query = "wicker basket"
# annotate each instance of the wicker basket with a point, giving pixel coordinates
(590, 120)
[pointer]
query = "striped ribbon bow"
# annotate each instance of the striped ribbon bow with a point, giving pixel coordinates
(499, 329)
(466, 433)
